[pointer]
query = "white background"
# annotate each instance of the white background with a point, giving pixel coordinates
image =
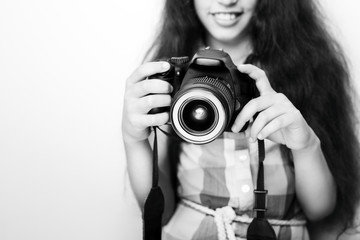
(63, 65)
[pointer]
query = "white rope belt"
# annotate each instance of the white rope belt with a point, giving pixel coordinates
(226, 215)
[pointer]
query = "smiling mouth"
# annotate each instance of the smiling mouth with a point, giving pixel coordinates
(226, 16)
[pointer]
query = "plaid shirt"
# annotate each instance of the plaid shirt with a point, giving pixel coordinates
(223, 173)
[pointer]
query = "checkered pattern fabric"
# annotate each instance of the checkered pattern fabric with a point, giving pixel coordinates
(223, 173)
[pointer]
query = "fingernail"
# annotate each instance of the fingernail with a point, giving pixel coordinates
(165, 66)
(237, 128)
(260, 137)
(234, 129)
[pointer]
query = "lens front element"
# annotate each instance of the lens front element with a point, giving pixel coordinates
(198, 116)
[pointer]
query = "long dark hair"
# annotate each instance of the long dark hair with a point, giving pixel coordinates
(303, 61)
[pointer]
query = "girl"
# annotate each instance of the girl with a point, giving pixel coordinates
(305, 114)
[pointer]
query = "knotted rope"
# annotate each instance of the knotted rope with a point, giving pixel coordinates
(225, 216)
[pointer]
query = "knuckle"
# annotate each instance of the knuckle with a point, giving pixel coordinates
(134, 121)
(141, 69)
(250, 103)
(137, 122)
(262, 73)
(278, 122)
(263, 116)
(296, 112)
(281, 98)
(253, 103)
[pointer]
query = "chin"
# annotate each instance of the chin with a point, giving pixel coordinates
(226, 38)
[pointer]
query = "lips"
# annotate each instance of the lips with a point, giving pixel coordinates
(226, 18)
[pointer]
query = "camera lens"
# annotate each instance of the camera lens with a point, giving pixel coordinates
(198, 116)
(201, 110)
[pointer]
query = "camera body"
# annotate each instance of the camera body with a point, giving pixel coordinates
(209, 92)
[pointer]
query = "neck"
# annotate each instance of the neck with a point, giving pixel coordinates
(238, 50)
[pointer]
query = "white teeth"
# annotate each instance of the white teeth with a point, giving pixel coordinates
(225, 16)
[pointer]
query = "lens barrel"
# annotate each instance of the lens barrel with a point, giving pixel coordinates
(202, 109)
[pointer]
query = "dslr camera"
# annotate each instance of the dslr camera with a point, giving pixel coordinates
(209, 92)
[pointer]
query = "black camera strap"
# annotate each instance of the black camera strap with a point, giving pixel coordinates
(259, 228)
(154, 203)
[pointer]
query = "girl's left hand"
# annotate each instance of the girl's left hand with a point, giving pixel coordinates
(278, 119)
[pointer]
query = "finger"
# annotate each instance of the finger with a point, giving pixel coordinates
(257, 105)
(266, 117)
(250, 109)
(261, 80)
(150, 120)
(146, 70)
(275, 125)
(151, 86)
(153, 101)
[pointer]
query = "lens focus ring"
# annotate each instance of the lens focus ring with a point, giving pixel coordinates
(217, 86)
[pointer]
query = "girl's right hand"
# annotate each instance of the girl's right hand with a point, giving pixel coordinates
(142, 95)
